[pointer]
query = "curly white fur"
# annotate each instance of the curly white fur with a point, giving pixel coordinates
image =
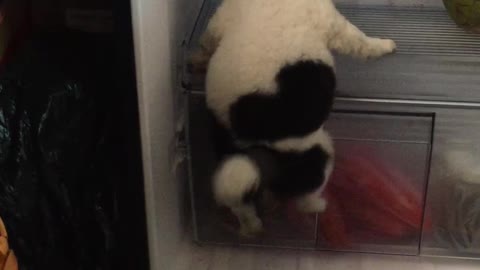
(236, 176)
(246, 43)
(261, 36)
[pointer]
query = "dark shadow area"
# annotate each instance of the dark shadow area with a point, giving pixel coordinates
(71, 180)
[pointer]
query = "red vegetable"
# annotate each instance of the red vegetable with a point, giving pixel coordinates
(371, 199)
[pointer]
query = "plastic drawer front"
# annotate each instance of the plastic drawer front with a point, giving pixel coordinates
(379, 183)
(453, 178)
(398, 141)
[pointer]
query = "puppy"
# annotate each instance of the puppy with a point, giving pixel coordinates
(270, 86)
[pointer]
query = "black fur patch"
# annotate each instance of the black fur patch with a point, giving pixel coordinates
(290, 174)
(251, 196)
(286, 174)
(301, 105)
(221, 138)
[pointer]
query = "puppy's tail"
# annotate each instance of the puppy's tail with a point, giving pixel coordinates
(236, 180)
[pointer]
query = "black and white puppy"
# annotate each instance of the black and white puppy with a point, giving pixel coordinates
(270, 83)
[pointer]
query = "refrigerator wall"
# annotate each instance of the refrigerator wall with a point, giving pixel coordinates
(159, 28)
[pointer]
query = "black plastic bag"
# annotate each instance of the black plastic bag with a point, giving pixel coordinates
(57, 198)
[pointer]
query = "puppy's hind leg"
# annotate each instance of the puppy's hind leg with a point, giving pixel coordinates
(250, 224)
(347, 39)
(235, 180)
(311, 203)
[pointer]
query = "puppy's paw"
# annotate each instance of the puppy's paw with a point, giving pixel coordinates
(312, 205)
(381, 47)
(318, 206)
(251, 229)
(389, 46)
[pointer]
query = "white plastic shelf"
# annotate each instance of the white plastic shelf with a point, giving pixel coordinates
(435, 61)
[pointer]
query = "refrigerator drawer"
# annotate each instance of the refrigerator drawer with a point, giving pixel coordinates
(377, 191)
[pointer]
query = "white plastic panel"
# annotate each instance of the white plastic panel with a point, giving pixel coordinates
(159, 26)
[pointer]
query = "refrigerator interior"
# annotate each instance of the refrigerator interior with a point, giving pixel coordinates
(415, 137)
(172, 101)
